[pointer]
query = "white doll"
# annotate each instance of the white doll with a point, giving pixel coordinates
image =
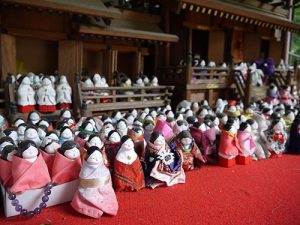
(25, 96)
(154, 81)
(63, 93)
(46, 96)
(32, 134)
(122, 127)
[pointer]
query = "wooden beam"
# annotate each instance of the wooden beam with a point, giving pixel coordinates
(7, 55)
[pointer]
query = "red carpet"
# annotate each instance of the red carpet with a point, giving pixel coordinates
(266, 192)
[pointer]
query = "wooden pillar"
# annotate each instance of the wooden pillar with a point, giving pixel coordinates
(7, 56)
(167, 30)
(248, 91)
(70, 62)
(138, 62)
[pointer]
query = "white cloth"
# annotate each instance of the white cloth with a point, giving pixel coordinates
(46, 95)
(25, 95)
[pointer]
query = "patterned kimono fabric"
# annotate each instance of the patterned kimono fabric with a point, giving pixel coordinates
(128, 177)
(278, 139)
(111, 150)
(158, 172)
(95, 194)
(210, 146)
(192, 156)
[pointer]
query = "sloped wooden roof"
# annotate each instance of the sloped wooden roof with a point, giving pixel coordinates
(84, 7)
(131, 29)
(236, 12)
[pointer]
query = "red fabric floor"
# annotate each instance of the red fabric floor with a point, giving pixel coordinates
(266, 192)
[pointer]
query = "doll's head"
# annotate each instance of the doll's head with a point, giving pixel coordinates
(4, 141)
(154, 81)
(169, 114)
(157, 138)
(185, 138)
(191, 120)
(92, 121)
(97, 78)
(107, 127)
(129, 118)
(63, 79)
(253, 124)
(12, 133)
(42, 131)
(34, 117)
(137, 131)
(27, 150)
(149, 117)
(244, 126)
(21, 129)
(202, 112)
(66, 133)
(148, 125)
(121, 124)
(230, 126)
(290, 115)
(51, 146)
(114, 136)
(201, 126)
(162, 116)
(127, 143)
(94, 140)
(153, 113)
(65, 113)
(277, 126)
(43, 122)
(31, 133)
(87, 126)
(94, 156)
(138, 122)
(70, 150)
(178, 116)
(46, 81)
(18, 121)
(142, 115)
(195, 107)
(188, 113)
(8, 152)
(133, 112)
(52, 135)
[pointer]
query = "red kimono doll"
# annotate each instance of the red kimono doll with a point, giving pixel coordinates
(192, 156)
(137, 136)
(229, 145)
(112, 147)
(67, 163)
(29, 170)
(6, 165)
(128, 171)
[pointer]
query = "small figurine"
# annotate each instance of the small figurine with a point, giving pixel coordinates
(186, 145)
(129, 120)
(107, 127)
(247, 144)
(17, 122)
(112, 146)
(32, 134)
(98, 197)
(67, 163)
(5, 165)
(122, 127)
(87, 83)
(21, 131)
(154, 82)
(272, 95)
(276, 139)
(66, 134)
(48, 151)
(63, 93)
(137, 135)
(163, 166)
(12, 133)
(33, 118)
(148, 129)
(285, 95)
(229, 145)
(139, 82)
(29, 170)
(128, 172)
(25, 95)
(42, 131)
(46, 97)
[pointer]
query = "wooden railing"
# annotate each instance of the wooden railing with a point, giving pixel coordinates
(121, 98)
(212, 75)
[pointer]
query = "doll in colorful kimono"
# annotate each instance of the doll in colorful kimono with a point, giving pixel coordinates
(148, 129)
(137, 135)
(285, 95)
(229, 147)
(66, 134)
(209, 141)
(272, 95)
(294, 141)
(122, 127)
(247, 144)
(25, 96)
(3, 123)
(6, 165)
(63, 93)
(33, 118)
(12, 133)
(180, 126)
(128, 171)
(4, 141)
(276, 138)
(32, 134)
(67, 163)
(163, 166)
(46, 97)
(112, 146)
(95, 195)
(95, 140)
(29, 170)
(259, 152)
(186, 145)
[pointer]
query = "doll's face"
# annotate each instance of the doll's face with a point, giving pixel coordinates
(128, 82)
(233, 129)
(46, 81)
(26, 81)
(18, 122)
(97, 78)
(248, 129)
(216, 121)
(189, 113)
(121, 125)
(66, 114)
(146, 80)
(34, 117)
(53, 136)
(41, 133)
(134, 113)
(186, 141)
(4, 144)
(254, 126)
(14, 135)
(70, 122)
(89, 127)
(149, 127)
(21, 130)
(118, 115)
(30, 153)
(232, 109)
(88, 82)
(45, 123)
(67, 133)
(107, 128)
(95, 158)
(130, 119)
(203, 112)
(224, 119)
(52, 148)
(72, 153)
(31, 133)
(162, 117)
(154, 80)
(10, 155)
(153, 114)
(291, 116)
(170, 114)
(139, 81)
(92, 121)
(249, 110)
(128, 145)
(143, 115)
(115, 137)
(179, 117)
(202, 64)
(160, 140)
(96, 141)
(236, 124)
(278, 127)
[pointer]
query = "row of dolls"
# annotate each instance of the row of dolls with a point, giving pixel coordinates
(275, 96)
(46, 96)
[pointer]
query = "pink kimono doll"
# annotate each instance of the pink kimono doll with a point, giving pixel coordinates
(186, 145)
(48, 151)
(285, 95)
(163, 166)
(272, 95)
(67, 163)
(81, 138)
(229, 147)
(46, 97)
(95, 195)
(166, 130)
(6, 165)
(209, 139)
(247, 144)
(276, 138)
(29, 170)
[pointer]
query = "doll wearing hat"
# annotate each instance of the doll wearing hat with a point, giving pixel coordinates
(46, 96)
(25, 95)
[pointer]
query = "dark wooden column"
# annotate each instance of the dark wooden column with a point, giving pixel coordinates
(248, 91)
